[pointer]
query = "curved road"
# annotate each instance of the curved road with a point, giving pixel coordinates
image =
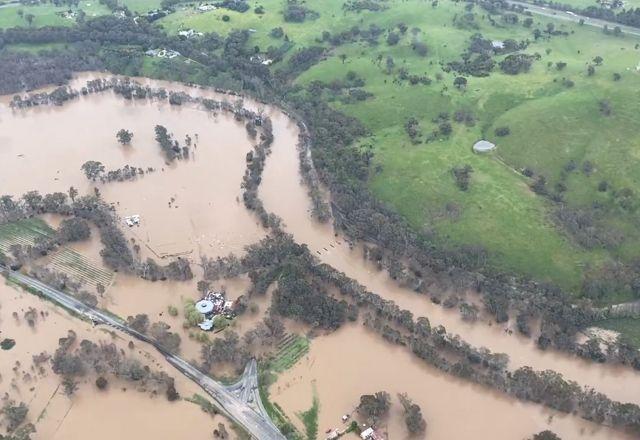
(240, 402)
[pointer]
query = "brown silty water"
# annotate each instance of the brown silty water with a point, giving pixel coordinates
(44, 148)
(352, 361)
(101, 415)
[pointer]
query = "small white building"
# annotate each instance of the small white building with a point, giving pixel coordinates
(497, 44)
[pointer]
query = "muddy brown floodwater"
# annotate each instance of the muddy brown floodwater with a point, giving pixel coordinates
(353, 361)
(108, 415)
(193, 208)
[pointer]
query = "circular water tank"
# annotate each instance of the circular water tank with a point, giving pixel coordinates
(204, 306)
(483, 146)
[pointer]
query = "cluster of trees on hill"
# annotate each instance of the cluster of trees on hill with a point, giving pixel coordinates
(477, 59)
(296, 11)
(364, 5)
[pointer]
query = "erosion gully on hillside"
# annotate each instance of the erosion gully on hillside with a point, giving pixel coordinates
(194, 208)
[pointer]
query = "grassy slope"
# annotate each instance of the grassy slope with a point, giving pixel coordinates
(141, 6)
(46, 15)
(499, 211)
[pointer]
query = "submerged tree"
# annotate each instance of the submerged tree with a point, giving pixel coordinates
(546, 435)
(412, 415)
(124, 136)
(374, 406)
(14, 414)
(92, 169)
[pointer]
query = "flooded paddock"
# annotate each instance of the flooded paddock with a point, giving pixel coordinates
(193, 207)
(101, 415)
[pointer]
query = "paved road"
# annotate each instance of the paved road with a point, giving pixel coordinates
(244, 409)
(575, 18)
(247, 390)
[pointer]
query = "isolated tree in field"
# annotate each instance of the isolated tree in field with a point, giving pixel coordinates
(420, 48)
(462, 175)
(390, 64)
(527, 22)
(29, 18)
(412, 415)
(343, 57)
(92, 169)
(598, 60)
(124, 136)
(374, 406)
(502, 131)
(460, 82)
(605, 107)
(393, 38)
(591, 70)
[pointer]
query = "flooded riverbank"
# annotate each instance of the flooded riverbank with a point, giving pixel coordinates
(353, 361)
(282, 194)
(193, 208)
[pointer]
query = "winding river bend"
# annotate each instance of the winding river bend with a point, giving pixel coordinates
(192, 208)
